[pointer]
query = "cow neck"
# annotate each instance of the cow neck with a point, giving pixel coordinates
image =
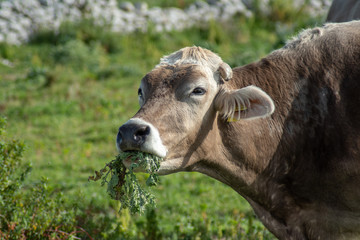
(252, 147)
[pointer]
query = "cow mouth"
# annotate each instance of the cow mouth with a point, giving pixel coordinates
(128, 160)
(167, 166)
(137, 160)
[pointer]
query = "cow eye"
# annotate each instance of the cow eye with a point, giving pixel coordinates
(140, 94)
(198, 91)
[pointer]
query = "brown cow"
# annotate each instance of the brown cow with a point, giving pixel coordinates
(343, 11)
(293, 152)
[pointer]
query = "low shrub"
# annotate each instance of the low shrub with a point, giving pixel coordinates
(30, 212)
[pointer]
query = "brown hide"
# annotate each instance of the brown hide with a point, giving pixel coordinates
(300, 167)
(307, 186)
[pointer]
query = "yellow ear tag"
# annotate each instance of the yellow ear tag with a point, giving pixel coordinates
(242, 108)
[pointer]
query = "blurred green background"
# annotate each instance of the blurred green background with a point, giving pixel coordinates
(66, 96)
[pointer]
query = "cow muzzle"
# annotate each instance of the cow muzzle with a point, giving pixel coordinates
(139, 135)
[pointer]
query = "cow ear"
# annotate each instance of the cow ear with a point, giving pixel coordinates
(225, 71)
(246, 103)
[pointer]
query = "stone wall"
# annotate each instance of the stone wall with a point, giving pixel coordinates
(20, 19)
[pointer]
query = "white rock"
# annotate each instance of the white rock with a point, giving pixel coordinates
(19, 19)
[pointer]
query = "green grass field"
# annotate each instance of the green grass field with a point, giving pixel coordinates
(67, 95)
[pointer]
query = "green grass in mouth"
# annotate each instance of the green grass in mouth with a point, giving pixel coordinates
(122, 184)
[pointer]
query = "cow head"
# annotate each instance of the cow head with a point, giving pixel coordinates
(181, 100)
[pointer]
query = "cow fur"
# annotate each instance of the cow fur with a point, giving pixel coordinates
(299, 168)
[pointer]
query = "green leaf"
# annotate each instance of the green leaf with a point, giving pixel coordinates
(123, 184)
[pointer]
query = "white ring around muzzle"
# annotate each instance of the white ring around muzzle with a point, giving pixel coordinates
(153, 143)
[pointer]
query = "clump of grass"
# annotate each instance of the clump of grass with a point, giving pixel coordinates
(122, 183)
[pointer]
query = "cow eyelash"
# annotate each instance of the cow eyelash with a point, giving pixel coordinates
(198, 91)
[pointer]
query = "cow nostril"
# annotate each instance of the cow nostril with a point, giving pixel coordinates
(141, 133)
(132, 136)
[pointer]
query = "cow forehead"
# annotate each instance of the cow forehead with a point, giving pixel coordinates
(172, 76)
(194, 55)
